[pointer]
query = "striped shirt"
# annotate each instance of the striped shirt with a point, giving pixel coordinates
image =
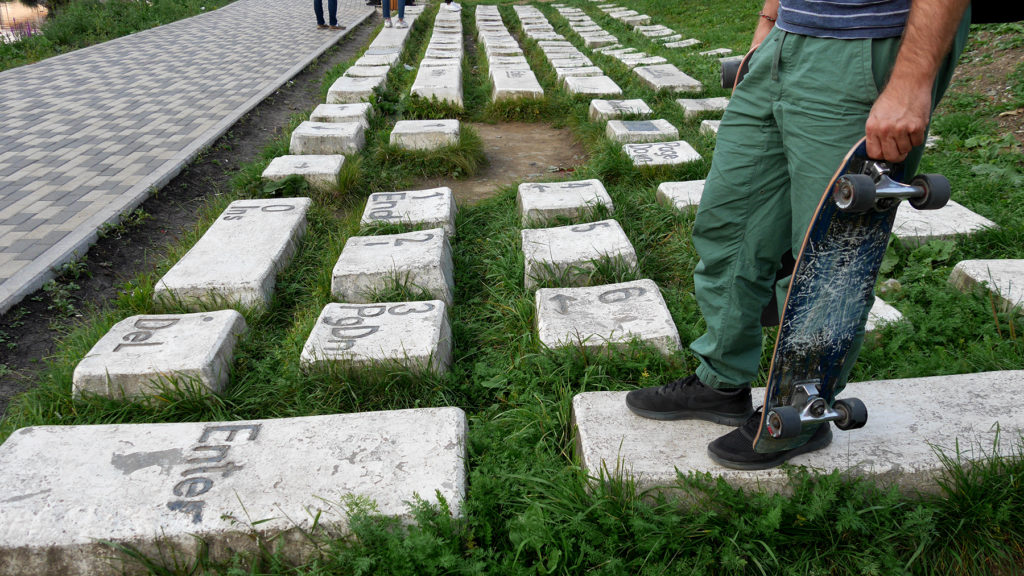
(844, 18)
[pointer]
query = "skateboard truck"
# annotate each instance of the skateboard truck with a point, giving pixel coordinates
(808, 408)
(872, 188)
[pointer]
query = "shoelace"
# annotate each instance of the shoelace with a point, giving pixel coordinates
(675, 385)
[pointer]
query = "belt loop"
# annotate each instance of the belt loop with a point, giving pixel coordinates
(778, 56)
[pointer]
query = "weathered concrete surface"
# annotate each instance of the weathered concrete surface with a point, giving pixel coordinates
(908, 420)
(710, 127)
(343, 113)
(425, 134)
(667, 77)
(1004, 278)
(717, 52)
(609, 109)
(567, 254)
(681, 195)
(694, 106)
(598, 316)
(441, 82)
(236, 262)
(351, 89)
(511, 84)
(562, 73)
(881, 313)
(592, 86)
(162, 487)
(683, 43)
(661, 153)
(140, 355)
(327, 138)
(641, 131)
(540, 202)
(434, 208)
(414, 335)
(418, 260)
(917, 227)
(319, 171)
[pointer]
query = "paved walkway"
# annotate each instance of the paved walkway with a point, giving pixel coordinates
(85, 136)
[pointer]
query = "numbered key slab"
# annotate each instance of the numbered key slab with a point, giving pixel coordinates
(425, 134)
(141, 355)
(710, 127)
(434, 208)
(441, 82)
(351, 89)
(661, 153)
(418, 260)
(695, 106)
(540, 202)
(343, 113)
(681, 195)
(612, 314)
(667, 77)
(175, 491)
(1005, 278)
(917, 227)
(415, 335)
(567, 254)
(319, 171)
(236, 262)
(641, 131)
(592, 86)
(609, 109)
(510, 84)
(327, 138)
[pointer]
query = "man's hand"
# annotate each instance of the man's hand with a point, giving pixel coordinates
(898, 121)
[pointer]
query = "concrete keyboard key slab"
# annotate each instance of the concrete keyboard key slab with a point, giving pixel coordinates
(562, 73)
(566, 255)
(661, 153)
(609, 109)
(418, 260)
(667, 77)
(1005, 278)
(917, 227)
(710, 127)
(693, 107)
(425, 134)
(907, 419)
(441, 82)
(592, 86)
(599, 316)
(343, 113)
(327, 138)
(511, 84)
(236, 262)
(161, 488)
(140, 355)
(414, 335)
(683, 43)
(352, 89)
(434, 208)
(540, 202)
(641, 131)
(319, 171)
(681, 195)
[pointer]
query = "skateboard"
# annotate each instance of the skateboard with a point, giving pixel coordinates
(831, 289)
(733, 71)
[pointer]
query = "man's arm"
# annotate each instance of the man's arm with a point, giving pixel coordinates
(900, 116)
(765, 21)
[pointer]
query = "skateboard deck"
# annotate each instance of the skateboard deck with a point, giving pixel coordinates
(831, 289)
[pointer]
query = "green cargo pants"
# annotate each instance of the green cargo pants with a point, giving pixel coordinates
(788, 125)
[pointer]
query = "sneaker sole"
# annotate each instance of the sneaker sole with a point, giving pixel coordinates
(782, 457)
(726, 418)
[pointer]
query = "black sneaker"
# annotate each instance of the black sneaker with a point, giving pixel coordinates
(736, 449)
(689, 398)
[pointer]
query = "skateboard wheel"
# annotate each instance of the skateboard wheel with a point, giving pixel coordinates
(854, 193)
(784, 422)
(853, 414)
(937, 191)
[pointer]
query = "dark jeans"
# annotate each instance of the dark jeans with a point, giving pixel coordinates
(386, 9)
(332, 8)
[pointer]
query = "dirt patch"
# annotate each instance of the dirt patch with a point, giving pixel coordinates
(986, 68)
(29, 331)
(515, 152)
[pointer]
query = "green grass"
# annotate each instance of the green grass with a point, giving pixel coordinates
(530, 508)
(79, 23)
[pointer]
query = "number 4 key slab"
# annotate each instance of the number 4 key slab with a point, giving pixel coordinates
(831, 289)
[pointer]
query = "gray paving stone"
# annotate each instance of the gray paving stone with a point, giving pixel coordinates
(693, 107)
(425, 134)
(327, 138)
(610, 315)
(421, 261)
(667, 77)
(562, 73)
(609, 109)
(414, 335)
(661, 153)
(155, 99)
(512, 84)
(319, 171)
(350, 89)
(641, 130)
(166, 489)
(141, 355)
(908, 421)
(377, 59)
(881, 313)
(343, 113)
(236, 261)
(683, 43)
(541, 202)
(567, 255)
(1004, 278)
(443, 83)
(710, 127)
(592, 86)
(917, 227)
(681, 195)
(433, 208)
(368, 71)
(717, 52)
